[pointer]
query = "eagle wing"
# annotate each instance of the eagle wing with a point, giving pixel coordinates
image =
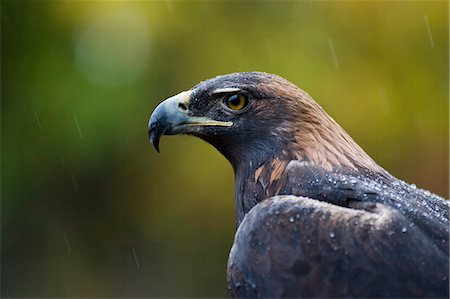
(342, 235)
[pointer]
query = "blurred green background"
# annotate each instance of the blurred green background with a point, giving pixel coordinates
(89, 209)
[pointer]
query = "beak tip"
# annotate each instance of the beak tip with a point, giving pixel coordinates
(154, 139)
(156, 146)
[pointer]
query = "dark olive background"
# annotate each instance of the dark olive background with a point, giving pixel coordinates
(89, 209)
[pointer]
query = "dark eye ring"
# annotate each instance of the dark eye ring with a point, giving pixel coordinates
(236, 101)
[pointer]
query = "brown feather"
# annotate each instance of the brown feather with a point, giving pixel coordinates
(258, 173)
(277, 168)
(317, 137)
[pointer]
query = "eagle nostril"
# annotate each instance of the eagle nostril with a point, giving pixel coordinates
(182, 106)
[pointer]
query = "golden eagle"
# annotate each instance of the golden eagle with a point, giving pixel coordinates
(316, 216)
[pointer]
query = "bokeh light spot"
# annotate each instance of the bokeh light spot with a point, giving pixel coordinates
(112, 49)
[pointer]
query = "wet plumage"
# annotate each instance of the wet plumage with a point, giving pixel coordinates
(316, 216)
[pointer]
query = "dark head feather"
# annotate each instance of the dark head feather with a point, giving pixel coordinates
(282, 121)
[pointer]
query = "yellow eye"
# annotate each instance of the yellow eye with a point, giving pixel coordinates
(236, 102)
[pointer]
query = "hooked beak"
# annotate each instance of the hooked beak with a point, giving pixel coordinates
(171, 117)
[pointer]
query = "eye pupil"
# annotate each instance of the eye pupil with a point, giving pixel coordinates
(236, 101)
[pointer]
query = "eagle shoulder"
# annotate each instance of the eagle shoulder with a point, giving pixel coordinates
(293, 246)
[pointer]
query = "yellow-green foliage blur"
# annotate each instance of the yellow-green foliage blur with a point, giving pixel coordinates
(89, 209)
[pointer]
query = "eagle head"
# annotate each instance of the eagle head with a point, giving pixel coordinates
(253, 117)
